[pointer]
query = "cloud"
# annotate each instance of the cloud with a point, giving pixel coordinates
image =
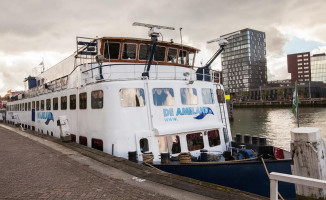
(52, 26)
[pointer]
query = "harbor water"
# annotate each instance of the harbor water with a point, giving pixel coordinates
(276, 123)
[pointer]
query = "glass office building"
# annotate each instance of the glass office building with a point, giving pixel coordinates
(244, 61)
(318, 67)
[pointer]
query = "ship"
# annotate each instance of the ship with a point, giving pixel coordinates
(146, 101)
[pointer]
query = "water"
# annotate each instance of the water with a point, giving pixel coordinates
(276, 123)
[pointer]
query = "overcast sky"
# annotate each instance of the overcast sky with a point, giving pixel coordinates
(34, 29)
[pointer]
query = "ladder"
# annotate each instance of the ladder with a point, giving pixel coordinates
(224, 120)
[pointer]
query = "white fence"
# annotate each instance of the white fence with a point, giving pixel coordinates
(275, 177)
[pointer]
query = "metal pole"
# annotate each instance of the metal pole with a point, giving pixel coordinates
(297, 102)
(309, 92)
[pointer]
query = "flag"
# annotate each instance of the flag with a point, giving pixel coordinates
(295, 101)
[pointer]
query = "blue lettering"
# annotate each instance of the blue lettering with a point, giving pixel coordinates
(168, 112)
(179, 112)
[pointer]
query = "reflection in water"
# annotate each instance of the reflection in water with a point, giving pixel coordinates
(276, 123)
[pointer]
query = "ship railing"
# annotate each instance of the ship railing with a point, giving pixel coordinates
(300, 180)
(55, 85)
(188, 74)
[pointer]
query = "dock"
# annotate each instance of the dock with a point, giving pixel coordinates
(318, 102)
(34, 165)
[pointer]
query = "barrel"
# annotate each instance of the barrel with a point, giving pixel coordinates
(254, 140)
(238, 137)
(262, 141)
(132, 156)
(203, 155)
(246, 138)
(165, 157)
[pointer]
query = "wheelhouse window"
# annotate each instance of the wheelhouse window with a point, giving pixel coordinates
(83, 100)
(37, 105)
(132, 97)
(220, 96)
(144, 51)
(55, 103)
(195, 141)
(48, 104)
(163, 97)
(72, 102)
(143, 143)
(111, 50)
(97, 99)
(188, 96)
(207, 94)
(190, 60)
(182, 57)
(64, 103)
(213, 138)
(169, 144)
(172, 55)
(159, 54)
(42, 104)
(129, 51)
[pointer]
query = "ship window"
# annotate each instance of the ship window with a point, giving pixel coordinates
(83, 100)
(112, 50)
(129, 51)
(33, 104)
(26, 107)
(97, 144)
(64, 103)
(195, 141)
(42, 104)
(73, 137)
(190, 60)
(220, 96)
(29, 105)
(163, 97)
(144, 51)
(188, 96)
(48, 104)
(72, 102)
(207, 95)
(37, 105)
(143, 145)
(55, 103)
(97, 99)
(169, 144)
(214, 138)
(83, 140)
(132, 97)
(172, 55)
(182, 57)
(159, 54)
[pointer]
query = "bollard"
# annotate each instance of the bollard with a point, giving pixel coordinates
(203, 155)
(132, 156)
(238, 137)
(254, 140)
(165, 157)
(308, 152)
(246, 139)
(262, 141)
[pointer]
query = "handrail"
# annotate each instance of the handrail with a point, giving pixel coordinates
(275, 177)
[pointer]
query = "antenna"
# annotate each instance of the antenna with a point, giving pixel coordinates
(154, 33)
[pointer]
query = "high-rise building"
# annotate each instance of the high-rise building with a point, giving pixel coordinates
(244, 61)
(299, 67)
(318, 67)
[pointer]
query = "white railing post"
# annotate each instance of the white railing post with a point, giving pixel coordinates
(273, 189)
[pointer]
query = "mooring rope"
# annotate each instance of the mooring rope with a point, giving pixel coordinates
(266, 170)
(185, 157)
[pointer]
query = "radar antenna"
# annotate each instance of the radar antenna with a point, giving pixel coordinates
(203, 72)
(154, 33)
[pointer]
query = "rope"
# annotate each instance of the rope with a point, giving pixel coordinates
(185, 158)
(148, 158)
(262, 159)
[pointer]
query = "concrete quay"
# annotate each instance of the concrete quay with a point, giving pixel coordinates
(37, 166)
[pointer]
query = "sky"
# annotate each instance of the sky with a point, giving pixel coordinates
(36, 30)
